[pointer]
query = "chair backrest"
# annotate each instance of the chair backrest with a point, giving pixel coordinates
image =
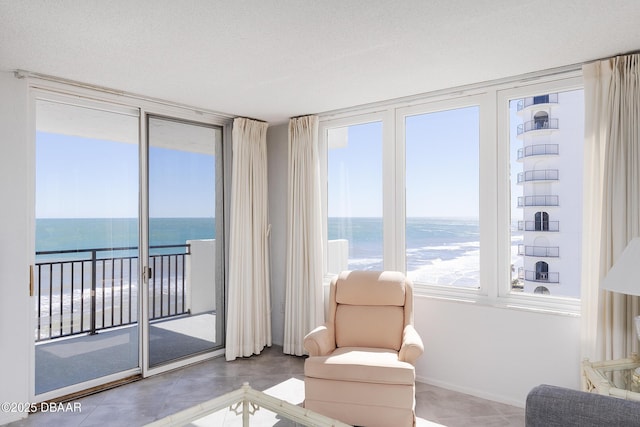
(370, 308)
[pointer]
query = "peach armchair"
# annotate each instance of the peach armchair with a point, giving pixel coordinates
(360, 368)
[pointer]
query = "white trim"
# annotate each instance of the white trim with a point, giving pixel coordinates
(75, 88)
(466, 90)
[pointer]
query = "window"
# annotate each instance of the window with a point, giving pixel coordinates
(541, 99)
(542, 271)
(542, 221)
(541, 120)
(442, 183)
(474, 194)
(354, 223)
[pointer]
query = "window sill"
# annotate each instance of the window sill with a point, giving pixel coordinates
(535, 303)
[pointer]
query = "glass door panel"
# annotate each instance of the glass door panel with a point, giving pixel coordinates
(184, 294)
(354, 192)
(86, 240)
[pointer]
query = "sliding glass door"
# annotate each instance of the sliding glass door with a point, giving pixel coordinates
(184, 289)
(85, 275)
(128, 268)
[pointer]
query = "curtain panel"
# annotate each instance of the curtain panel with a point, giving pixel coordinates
(611, 201)
(303, 277)
(248, 306)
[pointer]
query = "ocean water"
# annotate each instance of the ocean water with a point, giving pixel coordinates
(441, 251)
(63, 281)
(56, 234)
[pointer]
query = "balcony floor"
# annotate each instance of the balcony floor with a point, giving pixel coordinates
(273, 372)
(67, 361)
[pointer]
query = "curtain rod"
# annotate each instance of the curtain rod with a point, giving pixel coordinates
(302, 115)
(251, 118)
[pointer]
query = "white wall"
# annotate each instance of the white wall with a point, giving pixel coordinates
(277, 156)
(494, 353)
(200, 271)
(15, 191)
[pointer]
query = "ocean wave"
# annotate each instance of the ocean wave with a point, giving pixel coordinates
(462, 271)
(448, 247)
(365, 264)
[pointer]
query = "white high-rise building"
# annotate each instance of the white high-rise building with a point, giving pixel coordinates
(551, 133)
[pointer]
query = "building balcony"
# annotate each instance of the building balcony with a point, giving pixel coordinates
(551, 98)
(537, 125)
(539, 251)
(539, 226)
(539, 150)
(538, 175)
(538, 201)
(542, 276)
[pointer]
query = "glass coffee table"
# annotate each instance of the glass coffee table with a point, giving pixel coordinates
(618, 378)
(246, 407)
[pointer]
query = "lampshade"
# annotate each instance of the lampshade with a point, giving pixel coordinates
(624, 276)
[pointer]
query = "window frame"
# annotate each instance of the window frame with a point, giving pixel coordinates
(494, 182)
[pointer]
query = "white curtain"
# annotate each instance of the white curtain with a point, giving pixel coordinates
(248, 306)
(611, 201)
(303, 277)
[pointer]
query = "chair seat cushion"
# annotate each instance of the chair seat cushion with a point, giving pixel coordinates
(361, 364)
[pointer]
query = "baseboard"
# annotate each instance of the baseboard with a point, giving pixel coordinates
(471, 391)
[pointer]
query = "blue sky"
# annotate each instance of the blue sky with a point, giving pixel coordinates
(441, 164)
(88, 178)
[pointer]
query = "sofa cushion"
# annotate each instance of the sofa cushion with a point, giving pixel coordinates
(553, 406)
(369, 326)
(367, 365)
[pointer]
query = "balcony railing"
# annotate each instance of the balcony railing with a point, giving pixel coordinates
(89, 292)
(542, 276)
(551, 98)
(539, 251)
(539, 150)
(539, 225)
(532, 125)
(539, 175)
(538, 201)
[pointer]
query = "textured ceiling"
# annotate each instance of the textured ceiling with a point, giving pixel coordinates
(273, 59)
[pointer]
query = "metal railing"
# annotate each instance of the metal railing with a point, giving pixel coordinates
(89, 292)
(539, 150)
(538, 201)
(539, 251)
(542, 276)
(551, 98)
(539, 225)
(539, 175)
(537, 125)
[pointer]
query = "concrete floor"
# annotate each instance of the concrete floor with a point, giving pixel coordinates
(143, 401)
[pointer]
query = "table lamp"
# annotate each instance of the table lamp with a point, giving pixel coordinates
(624, 276)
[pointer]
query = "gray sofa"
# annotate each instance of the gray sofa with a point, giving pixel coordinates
(551, 406)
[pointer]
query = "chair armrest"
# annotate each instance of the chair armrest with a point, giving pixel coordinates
(320, 341)
(412, 346)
